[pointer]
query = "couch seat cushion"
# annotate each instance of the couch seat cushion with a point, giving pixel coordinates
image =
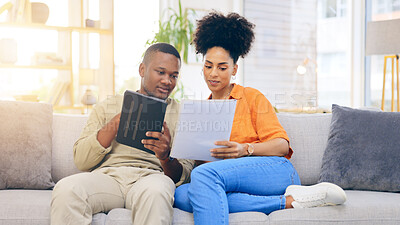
(123, 217)
(20, 207)
(248, 218)
(361, 207)
(25, 207)
(99, 219)
(119, 216)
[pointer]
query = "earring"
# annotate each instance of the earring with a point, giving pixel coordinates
(233, 77)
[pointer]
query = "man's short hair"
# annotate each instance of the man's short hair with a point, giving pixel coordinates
(160, 47)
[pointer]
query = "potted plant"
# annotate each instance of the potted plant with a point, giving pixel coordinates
(176, 30)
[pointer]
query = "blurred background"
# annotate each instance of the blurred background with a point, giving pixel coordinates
(308, 54)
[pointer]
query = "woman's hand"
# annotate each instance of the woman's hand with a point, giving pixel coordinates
(230, 150)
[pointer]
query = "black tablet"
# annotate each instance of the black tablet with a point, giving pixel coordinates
(140, 113)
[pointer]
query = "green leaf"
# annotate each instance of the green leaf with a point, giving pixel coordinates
(176, 29)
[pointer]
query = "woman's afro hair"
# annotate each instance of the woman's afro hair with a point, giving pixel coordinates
(233, 32)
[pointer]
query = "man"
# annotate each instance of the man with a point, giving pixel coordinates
(122, 176)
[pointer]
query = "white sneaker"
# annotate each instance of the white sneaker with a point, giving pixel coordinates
(322, 194)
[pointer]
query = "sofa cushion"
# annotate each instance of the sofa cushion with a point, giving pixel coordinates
(66, 130)
(361, 207)
(18, 207)
(248, 218)
(363, 150)
(123, 217)
(308, 134)
(25, 207)
(25, 137)
(99, 219)
(119, 216)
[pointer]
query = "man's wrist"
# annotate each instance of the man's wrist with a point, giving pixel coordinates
(166, 159)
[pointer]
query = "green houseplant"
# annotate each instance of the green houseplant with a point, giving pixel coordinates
(177, 30)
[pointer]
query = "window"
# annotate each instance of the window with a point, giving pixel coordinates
(312, 34)
(134, 25)
(333, 53)
(285, 39)
(333, 79)
(396, 5)
(379, 10)
(332, 8)
(384, 6)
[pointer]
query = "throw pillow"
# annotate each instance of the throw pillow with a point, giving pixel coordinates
(363, 150)
(25, 149)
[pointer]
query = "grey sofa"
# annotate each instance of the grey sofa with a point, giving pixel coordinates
(308, 134)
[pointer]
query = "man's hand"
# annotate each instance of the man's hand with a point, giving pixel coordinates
(230, 151)
(114, 122)
(109, 131)
(160, 147)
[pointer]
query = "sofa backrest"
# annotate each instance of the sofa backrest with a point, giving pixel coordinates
(66, 130)
(308, 134)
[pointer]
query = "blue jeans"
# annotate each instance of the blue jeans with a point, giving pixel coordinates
(236, 185)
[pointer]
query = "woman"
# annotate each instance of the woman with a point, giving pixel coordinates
(264, 182)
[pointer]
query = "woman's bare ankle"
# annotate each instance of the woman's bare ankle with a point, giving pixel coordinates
(289, 200)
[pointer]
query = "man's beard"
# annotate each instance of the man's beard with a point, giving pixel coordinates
(149, 93)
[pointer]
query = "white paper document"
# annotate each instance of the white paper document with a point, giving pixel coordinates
(200, 124)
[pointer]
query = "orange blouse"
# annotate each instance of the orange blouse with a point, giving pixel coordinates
(255, 120)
